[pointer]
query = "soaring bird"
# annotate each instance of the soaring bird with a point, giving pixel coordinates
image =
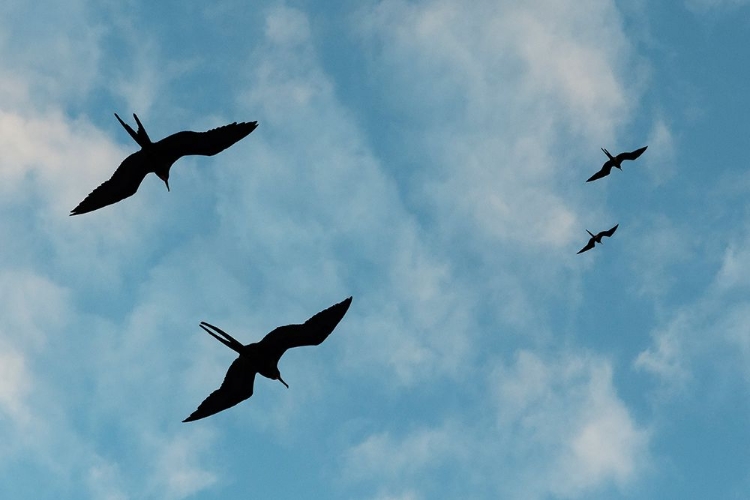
(616, 162)
(263, 357)
(158, 157)
(597, 238)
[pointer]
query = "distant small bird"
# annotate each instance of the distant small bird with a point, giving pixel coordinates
(263, 357)
(615, 162)
(597, 239)
(158, 157)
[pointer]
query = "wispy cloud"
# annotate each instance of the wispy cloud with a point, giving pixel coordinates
(559, 430)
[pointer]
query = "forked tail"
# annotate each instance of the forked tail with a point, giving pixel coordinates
(140, 136)
(225, 338)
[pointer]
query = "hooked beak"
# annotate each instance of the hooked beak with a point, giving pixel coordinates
(282, 381)
(167, 183)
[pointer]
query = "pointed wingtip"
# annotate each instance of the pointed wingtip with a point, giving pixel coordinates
(192, 417)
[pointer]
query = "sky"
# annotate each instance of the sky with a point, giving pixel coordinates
(426, 157)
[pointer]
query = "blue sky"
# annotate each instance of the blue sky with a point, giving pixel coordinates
(426, 157)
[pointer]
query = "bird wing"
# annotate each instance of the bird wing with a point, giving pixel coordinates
(632, 155)
(588, 246)
(604, 172)
(237, 387)
(123, 183)
(312, 332)
(206, 143)
(609, 232)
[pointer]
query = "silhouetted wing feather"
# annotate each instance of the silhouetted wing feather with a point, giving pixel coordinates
(588, 246)
(206, 143)
(609, 232)
(237, 387)
(631, 155)
(604, 172)
(314, 331)
(123, 183)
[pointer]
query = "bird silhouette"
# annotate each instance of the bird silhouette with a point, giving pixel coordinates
(597, 239)
(263, 357)
(158, 157)
(615, 162)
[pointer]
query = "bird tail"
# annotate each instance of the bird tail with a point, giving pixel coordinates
(607, 153)
(225, 338)
(140, 136)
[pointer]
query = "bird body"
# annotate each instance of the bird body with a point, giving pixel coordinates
(158, 157)
(615, 162)
(263, 357)
(597, 238)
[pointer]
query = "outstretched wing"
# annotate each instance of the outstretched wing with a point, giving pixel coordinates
(237, 387)
(588, 246)
(632, 155)
(123, 183)
(604, 172)
(206, 143)
(609, 232)
(312, 332)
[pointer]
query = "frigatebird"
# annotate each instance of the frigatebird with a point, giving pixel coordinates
(263, 357)
(158, 157)
(615, 162)
(597, 238)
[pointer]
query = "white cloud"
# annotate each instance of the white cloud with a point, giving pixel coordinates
(560, 430)
(15, 383)
(104, 482)
(666, 358)
(659, 162)
(177, 474)
(536, 84)
(321, 205)
(695, 333)
(383, 455)
(55, 50)
(568, 423)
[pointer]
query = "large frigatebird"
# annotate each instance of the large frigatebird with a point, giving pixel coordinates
(615, 162)
(158, 157)
(263, 357)
(597, 238)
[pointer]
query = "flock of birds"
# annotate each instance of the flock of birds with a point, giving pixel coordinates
(612, 162)
(259, 357)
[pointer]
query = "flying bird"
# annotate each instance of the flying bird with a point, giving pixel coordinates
(597, 239)
(615, 162)
(263, 357)
(158, 157)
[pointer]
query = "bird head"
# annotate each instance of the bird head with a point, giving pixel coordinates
(275, 374)
(165, 177)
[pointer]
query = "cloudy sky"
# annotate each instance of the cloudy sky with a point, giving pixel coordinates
(428, 158)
